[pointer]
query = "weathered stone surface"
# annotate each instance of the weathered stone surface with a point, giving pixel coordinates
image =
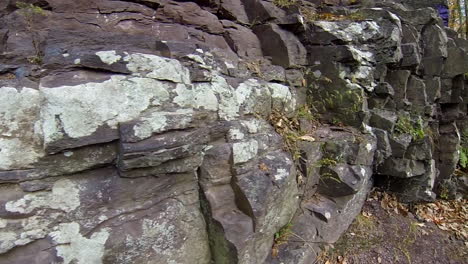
(435, 41)
(399, 80)
(384, 149)
(338, 180)
(411, 56)
(399, 144)
(383, 119)
(74, 207)
(456, 61)
(402, 168)
(420, 150)
(242, 40)
(19, 143)
(234, 10)
(416, 94)
(433, 87)
(384, 89)
(283, 46)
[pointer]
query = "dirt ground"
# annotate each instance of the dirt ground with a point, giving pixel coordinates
(388, 232)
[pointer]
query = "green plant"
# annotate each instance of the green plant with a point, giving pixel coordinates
(327, 162)
(30, 9)
(255, 67)
(444, 191)
(31, 14)
(463, 158)
(304, 113)
(328, 176)
(409, 240)
(283, 234)
(405, 125)
(311, 15)
(284, 3)
(281, 237)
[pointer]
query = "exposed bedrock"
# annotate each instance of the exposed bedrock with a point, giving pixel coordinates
(141, 131)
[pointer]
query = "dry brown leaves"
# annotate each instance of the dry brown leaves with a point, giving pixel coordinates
(283, 124)
(7, 76)
(389, 203)
(263, 167)
(339, 260)
(288, 128)
(449, 216)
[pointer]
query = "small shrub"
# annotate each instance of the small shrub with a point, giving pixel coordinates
(311, 15)
(327, 162)
(281, 237)
(30, 10)
(284, 3)
(417, 130)
(304, 113)
(463, 158)
(31, 13)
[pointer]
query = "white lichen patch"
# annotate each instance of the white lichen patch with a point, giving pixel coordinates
(156, 67)
(281, 174)
(3, 223)
(196, 58)
(184, 95)
(157, 122)
(18, 153)
(245, 89)
(108, 57)
(7, 241)
(33, 228)
(65, 195)
(204, 97)
(244, 151)
(174, 235)
(228, 103)
(363, 73)
(361, 56)
(75, 248)
(252, 125)
(26, 230)
(80, 110)
(351, 32)
(251, 93)
(282, 98)
(235, 134)
(19, 143)
(199, 96)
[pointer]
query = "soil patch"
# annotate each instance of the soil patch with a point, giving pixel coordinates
(390, 232)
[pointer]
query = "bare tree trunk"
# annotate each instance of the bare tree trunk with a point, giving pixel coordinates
(466, 19)
(460, 18)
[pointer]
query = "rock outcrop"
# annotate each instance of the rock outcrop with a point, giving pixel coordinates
(141, 131)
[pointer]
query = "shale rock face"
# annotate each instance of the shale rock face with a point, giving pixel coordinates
(139, 132)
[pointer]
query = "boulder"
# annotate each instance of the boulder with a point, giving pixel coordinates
(282, 46)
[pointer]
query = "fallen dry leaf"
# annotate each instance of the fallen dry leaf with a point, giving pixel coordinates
(451, 216)
(307, 138)
(263, 167)
(367, 214)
